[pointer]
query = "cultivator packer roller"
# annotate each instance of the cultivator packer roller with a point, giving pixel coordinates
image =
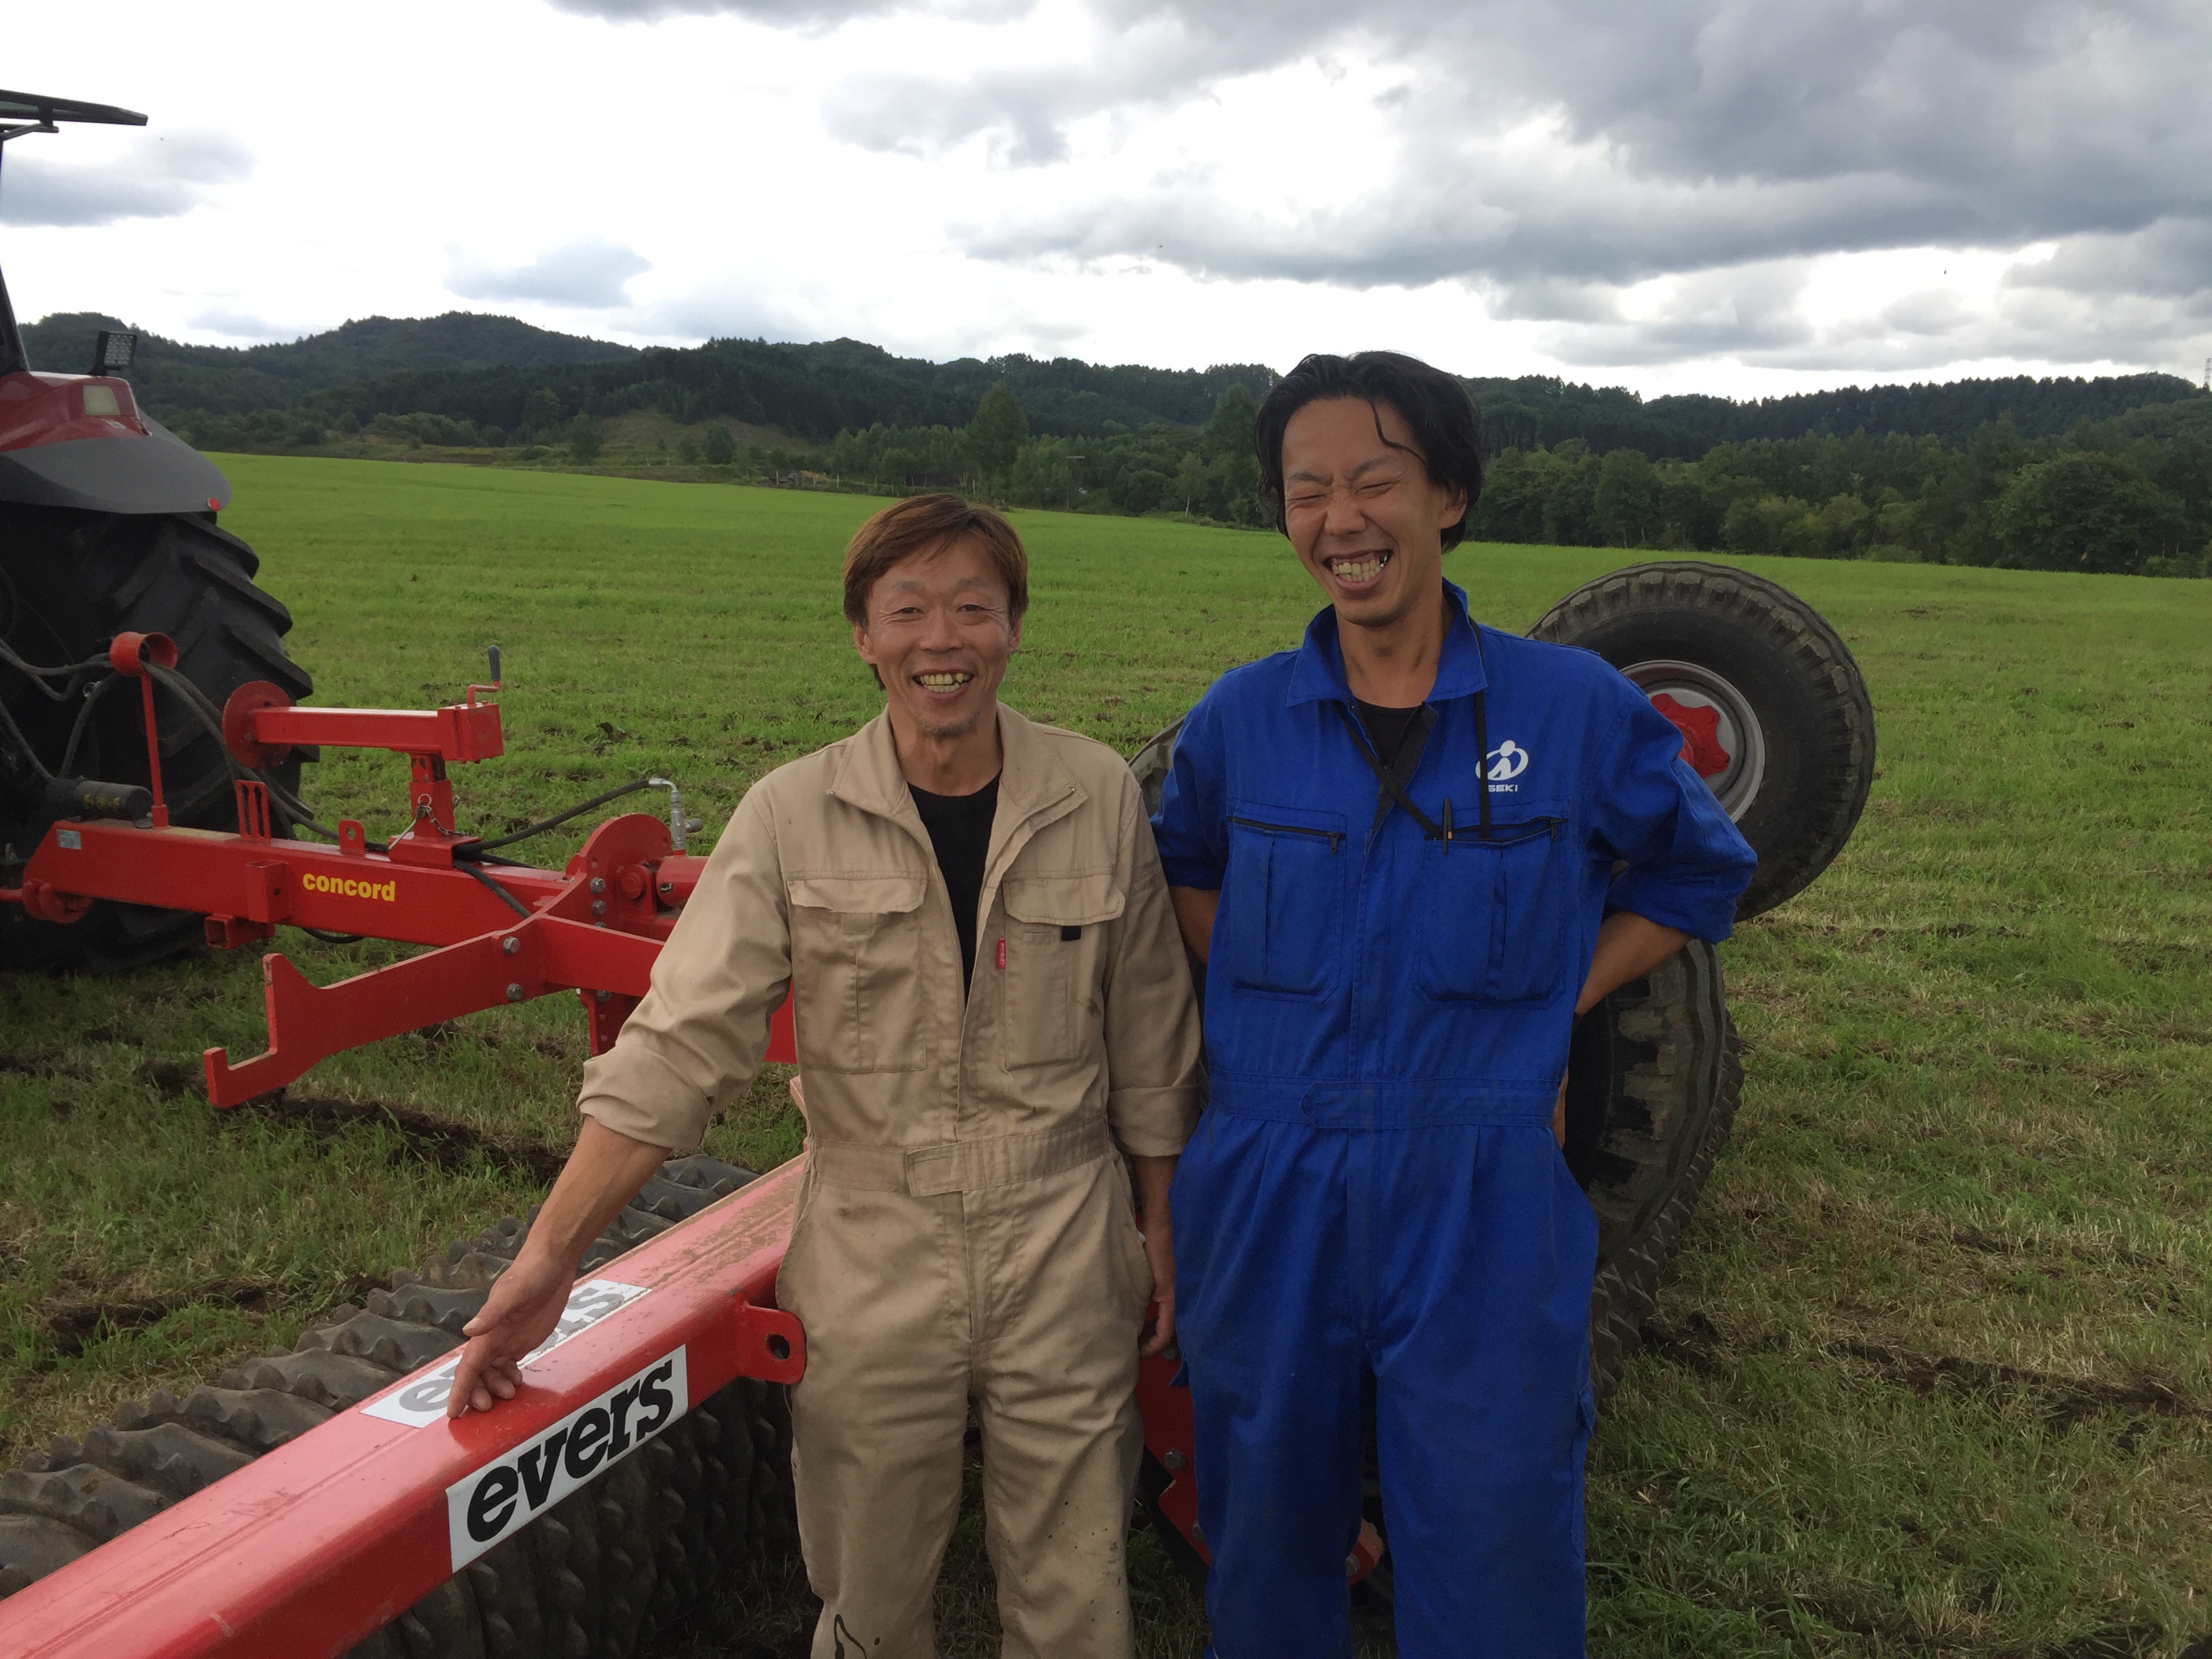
(371, 1524)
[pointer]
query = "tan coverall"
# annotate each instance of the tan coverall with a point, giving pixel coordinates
(964, 1228)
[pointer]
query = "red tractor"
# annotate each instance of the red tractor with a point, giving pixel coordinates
(108, 525)
(151, 739)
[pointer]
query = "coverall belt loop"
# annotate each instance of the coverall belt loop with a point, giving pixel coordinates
(960, 1166)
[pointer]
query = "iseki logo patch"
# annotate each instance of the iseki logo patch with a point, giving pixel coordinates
(505, 1496)
(1504, 763)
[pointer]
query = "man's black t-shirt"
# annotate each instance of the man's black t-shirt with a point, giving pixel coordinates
(960, 830)
(1387, 727)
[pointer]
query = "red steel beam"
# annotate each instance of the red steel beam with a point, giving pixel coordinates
(307, 883)
(458, 731)
(309, 1549)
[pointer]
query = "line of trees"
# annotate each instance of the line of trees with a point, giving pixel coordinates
(2132, 495)
(1206, 471)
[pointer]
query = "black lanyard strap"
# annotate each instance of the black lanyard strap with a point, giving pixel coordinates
(1391, 789)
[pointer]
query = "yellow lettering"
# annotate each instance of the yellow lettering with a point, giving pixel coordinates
(384, 891)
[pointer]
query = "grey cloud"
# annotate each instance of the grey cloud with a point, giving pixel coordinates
(588, 273)
(788, 13)
(1695, 136)
(812, 16)
(1930, 312)
(241, 325)
(2172, 257)
(1705, 138)
(157, 177)
(1750, 311)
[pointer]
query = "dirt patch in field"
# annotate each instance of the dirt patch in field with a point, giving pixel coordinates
(2062, 1401)
(72, 1326)
(1696, 1344)
(44, 1062)
(434, 1139)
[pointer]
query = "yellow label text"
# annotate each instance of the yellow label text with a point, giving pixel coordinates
(388, 891)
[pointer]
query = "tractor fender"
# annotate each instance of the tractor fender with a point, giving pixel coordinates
(118, 473)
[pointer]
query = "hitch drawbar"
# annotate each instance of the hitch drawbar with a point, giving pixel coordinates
(317, 1544)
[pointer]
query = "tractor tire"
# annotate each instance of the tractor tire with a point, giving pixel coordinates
(70, 582)
(1654, 1078)
(591, 1578)
(1791, 705)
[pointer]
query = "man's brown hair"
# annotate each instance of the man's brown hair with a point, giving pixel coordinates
(924, 524)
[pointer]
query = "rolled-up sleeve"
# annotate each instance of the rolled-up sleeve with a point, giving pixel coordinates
(1687, 864)
(1152, 1045)
(694, 1042)
(1191, 826)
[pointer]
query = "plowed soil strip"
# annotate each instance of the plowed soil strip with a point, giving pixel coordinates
(437, 1140)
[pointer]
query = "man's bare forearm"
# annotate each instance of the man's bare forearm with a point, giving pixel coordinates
(1195, 907)
(1629, 946)
(602, 1175)
(1154, 1176)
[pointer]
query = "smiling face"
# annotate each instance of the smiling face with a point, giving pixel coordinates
(939, 636)
(1366, 520)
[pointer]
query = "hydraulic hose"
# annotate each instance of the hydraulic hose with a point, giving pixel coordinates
(559, 818)
(38, 677)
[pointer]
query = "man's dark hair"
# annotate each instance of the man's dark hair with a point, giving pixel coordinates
(928, 525)
(1447, 426)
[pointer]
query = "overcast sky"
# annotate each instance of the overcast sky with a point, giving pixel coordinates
(1733, 195)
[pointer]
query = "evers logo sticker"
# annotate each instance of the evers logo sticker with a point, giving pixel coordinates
(505, 1496)
(423, 1400)
(345, 887)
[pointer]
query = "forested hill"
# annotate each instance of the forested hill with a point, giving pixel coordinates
(173, 378)
(1537, 412)
(497, 372)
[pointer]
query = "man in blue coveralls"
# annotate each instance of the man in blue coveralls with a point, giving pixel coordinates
(1395, 847)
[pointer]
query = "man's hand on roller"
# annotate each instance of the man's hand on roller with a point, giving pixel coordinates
(524, 1306)
(602, 1175)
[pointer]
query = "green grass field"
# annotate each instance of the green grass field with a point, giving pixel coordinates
(1932, 1376)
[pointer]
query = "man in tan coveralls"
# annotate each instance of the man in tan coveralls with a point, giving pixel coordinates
(964, 1230)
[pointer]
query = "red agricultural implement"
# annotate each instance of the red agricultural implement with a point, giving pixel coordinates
(318, 1546)
(318, 1501)
(505, 932)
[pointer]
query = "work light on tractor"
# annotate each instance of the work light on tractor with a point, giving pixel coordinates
(152, 735)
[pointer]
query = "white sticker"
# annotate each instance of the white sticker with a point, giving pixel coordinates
(72, 839)
(485, 1507)
(421, 1399)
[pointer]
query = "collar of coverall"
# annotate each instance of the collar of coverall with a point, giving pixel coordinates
(1034, 789)
(1318, 674)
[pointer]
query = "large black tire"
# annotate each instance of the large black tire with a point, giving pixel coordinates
(591, 1578)
(70, 582)
(1653, 1082)
(1791, 704)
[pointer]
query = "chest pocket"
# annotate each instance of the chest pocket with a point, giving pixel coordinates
(1051, 982)
(856, 964)
(1494, 913)
(1285, 898)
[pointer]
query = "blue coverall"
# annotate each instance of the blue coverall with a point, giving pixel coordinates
(1373, 1197)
